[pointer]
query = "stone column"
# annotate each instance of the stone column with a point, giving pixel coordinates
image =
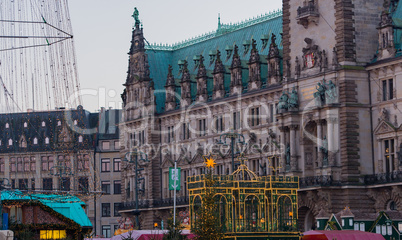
(282, 160)
(331, 141)
(380, 158)
(319, 143)
(293, 148)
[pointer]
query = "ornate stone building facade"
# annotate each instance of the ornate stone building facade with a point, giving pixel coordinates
(315, 96)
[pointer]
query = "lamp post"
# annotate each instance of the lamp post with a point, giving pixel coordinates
(234, 138)
(136, 153)
(4, 184)
(59, 171)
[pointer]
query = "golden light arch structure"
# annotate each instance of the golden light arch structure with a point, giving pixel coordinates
(250, 206)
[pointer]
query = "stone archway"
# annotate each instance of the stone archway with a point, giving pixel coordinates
(306, 219)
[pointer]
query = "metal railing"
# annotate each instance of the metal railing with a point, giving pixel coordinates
(144, 204)
(309, 9)
(373, 179)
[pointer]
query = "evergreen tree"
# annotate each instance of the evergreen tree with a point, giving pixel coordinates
(174, 231)
(207, 225)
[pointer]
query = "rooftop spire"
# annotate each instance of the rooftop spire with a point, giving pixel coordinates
(219, 21)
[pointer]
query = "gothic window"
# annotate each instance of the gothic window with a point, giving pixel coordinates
(10, 142)
(255, 116)
(186, 131)
(46, 140)
(59, 123)
(202, 127)
(43, 124)
(387, 89)
(35, 141)
(219, 124)
(7, 125)
(236, 120)
(25, 124)
(80, 139)
(75, 122)
(170, 134)
(389, 155)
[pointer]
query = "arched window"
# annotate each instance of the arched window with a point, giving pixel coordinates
(46, 140)
(80, 139)
(43, 124)
(7, 125)
(10, 142)
(75, 122)
(25, 124)
(391, 205)
(59, 123)
(35, 141)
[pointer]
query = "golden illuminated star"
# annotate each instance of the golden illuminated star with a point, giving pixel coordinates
(209, 161)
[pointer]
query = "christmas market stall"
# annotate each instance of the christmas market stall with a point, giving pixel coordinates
(45, 216)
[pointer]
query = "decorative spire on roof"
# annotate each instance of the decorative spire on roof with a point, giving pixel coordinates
(170, 77)
(254, 56)
(346, 213)
(219, 68)
(273, 48)
(202, 71)
(236, 62)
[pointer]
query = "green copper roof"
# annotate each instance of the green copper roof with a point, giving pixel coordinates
(69, 206)
(160, 56)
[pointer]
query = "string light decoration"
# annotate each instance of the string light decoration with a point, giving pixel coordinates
(38, 68)
(247, 205)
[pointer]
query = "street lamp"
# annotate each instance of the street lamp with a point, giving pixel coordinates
(136, 153)
(234, 138)
(59, 171)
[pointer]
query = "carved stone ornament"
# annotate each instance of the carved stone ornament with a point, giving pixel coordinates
(310, 54)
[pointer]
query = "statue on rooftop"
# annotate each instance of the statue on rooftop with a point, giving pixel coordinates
(135, 16)
(330, 92)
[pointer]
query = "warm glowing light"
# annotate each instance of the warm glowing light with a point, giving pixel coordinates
(210, 162)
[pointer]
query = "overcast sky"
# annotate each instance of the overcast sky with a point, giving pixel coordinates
(102, 34)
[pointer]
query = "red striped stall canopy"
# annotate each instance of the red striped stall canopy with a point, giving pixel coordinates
(341, 235)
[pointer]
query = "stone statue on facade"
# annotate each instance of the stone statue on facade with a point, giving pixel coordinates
(319, 95)
(297, 67)
(287, 156)
(331, 94)
(294, 99)
(334, 57)
(283, 102)
(288, 68)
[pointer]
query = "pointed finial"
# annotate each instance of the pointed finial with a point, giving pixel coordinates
(219, 21)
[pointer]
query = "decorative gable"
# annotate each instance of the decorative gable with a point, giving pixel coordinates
(384, 127)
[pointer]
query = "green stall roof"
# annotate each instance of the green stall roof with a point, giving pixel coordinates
(67, 205)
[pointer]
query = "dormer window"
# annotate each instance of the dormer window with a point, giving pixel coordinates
(46, 140)
(75, 122)
(35, 141)
(59, 123)
(43, 124)
(7, 125)
(80, 139)
(25, 124)
(10, 142)
(0, 142)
